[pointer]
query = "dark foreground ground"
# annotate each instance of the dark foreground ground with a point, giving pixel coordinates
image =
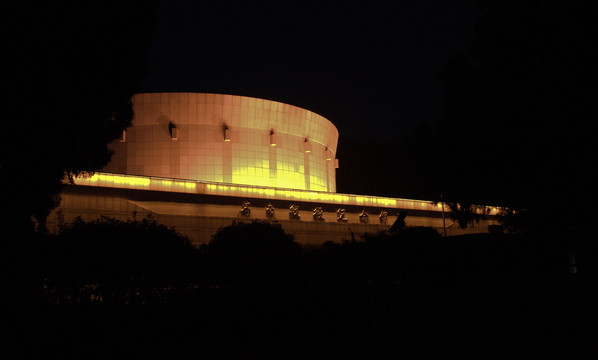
(480, 297)
(474, 323)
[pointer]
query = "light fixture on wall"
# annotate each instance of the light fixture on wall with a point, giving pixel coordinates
(328, 154)
(123, 136)
(272, 138)
(172, 129)
(226, 133)
(306, 145)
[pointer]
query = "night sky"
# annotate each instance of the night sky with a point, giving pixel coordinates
(373, 70)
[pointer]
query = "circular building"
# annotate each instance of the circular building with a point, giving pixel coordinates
(227, 139)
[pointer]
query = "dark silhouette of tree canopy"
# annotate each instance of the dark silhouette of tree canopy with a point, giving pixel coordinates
(256, 253)
(73, 69)
(116, 261)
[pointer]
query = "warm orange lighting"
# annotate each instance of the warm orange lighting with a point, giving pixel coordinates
(272, 138)
(113, 180)
(173, 130)
(328, 154)
(190, 185)
(306, 145)
(201, 187)
(270, 144)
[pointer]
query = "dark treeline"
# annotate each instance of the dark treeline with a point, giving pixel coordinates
(73, 71)
(70, 77)
(515, 130)
(254, 291)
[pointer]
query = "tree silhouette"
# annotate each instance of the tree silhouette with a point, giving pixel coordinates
(73, 71)
(109, 260)
(254, 254)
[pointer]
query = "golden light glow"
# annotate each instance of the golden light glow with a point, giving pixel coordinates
(228, 139)
(113, 180)
(189, 185)
(328, 154)
(202, 187)
(272, 138)
(306, 145)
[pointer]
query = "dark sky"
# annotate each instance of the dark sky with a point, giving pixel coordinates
(370, 69)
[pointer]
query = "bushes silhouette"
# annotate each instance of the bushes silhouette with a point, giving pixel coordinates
(110, 260)
(254, 282)
(253, 254)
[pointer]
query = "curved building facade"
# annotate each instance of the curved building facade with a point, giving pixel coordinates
(199, 162)
(227, 139)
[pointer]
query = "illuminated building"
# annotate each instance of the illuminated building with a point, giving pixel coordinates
(199, 161)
